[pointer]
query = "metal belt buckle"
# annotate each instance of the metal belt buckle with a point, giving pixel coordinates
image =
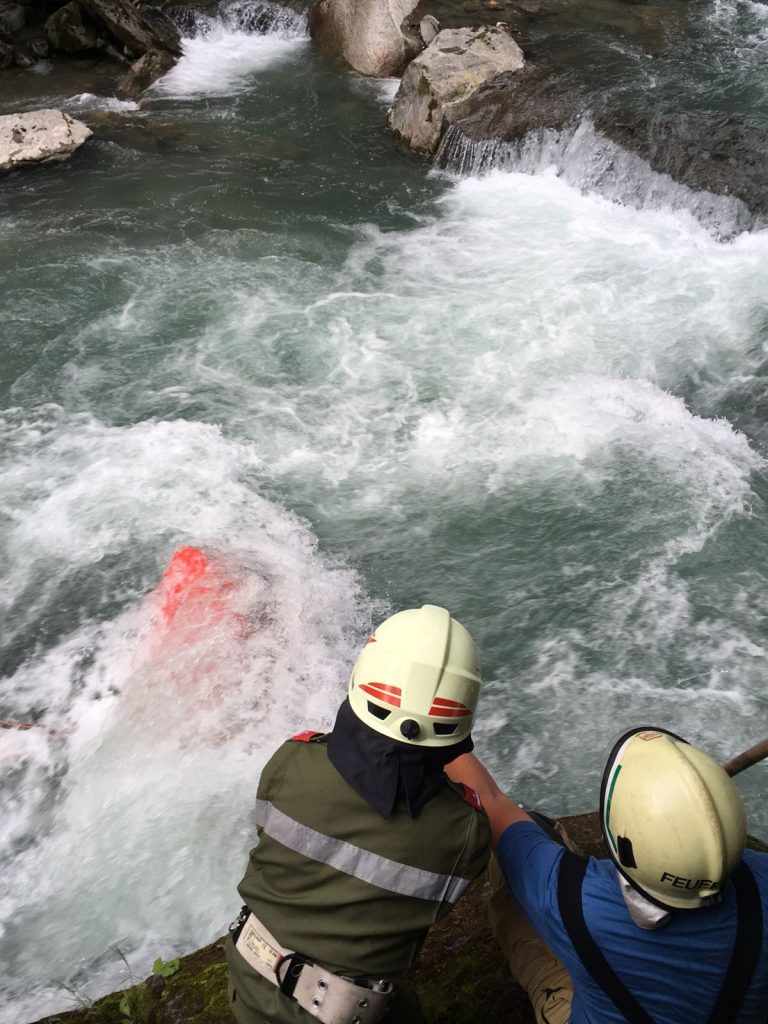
(236, 926)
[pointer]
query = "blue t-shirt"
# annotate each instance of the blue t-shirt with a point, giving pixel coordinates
(675, 972)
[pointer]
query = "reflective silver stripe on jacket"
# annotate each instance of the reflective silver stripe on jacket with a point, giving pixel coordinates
(352, 860)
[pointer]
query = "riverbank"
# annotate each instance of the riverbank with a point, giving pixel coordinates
(701, 142)
(460, 976)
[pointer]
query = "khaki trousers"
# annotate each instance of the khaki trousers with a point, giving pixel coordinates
(531, 961)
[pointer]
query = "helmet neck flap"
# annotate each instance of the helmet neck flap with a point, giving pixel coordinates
(386, 772)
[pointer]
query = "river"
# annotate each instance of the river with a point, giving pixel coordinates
(240, 319)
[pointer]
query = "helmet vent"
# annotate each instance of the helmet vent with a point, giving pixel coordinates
(443, 729)
(626, 854)
(377, 711)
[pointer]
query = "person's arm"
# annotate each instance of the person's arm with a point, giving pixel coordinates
(502, 812)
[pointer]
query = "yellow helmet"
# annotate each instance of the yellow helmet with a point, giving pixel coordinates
(417, 679)
(672, 818)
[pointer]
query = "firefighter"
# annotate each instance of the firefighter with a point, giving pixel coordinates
(364, 842)
(671, 929)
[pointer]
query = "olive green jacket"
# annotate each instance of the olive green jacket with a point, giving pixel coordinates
(335, 881)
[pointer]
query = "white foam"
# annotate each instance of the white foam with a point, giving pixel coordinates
(133, 784)
(225, 61)
(383, 89)
(89, 101)
(590, 162)
(542, 332)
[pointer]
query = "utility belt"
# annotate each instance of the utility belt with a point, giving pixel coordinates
(331, 998)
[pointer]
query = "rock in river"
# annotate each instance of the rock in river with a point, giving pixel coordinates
(143, 73)
(39, 137)
(373, 36)
(455, 64)
(69, 31)
(138, 31)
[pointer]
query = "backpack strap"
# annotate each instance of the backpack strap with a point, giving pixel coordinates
(746, 948)
(571, 876)
(744, 957)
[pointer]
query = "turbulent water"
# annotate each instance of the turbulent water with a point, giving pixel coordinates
(535, 393)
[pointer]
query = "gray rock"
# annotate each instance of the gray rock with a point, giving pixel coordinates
(709, 151)
(13, 16)
(38, 48)
(39, 137)
(137, 32)
(143, 73)
(70, 31)
(508, 106)
(439, 81)
(373, 36)
(7, 52)
(429, 26)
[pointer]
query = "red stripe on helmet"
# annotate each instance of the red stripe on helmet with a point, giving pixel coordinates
(442, 707)
(383, 692)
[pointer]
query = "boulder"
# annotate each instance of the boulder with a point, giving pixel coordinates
(13, 16)
(373, 36)
(429, 26)
(38, 48)
(708, 150)
(7, 52)
(143, 73)
(510, 105)
(39, 137)
(437, 82)
(70, 31)
(139, 33)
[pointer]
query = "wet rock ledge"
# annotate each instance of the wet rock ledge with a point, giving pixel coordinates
(461, 976)
(139, 39)
(455, 100)
(477, 76)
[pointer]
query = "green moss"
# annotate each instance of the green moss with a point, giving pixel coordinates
(195, 994)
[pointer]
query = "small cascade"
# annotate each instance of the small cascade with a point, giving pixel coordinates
(262, 16)
(257, 16)
(191, 23)
(588, 161)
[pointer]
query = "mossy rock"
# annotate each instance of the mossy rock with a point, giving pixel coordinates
(460, 977)
(195, 994)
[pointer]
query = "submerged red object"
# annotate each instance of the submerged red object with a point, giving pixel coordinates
(187, 566)
(192, 577)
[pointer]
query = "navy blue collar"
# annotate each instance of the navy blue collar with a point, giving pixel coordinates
(385, 772)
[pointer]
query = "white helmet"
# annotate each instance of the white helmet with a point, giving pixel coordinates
(673, 820)
(417, 679)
